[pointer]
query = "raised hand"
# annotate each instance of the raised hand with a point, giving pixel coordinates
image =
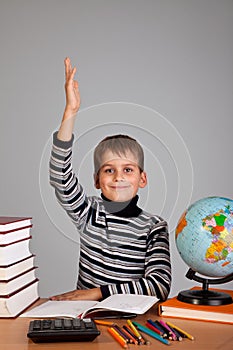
(72, 103)
(71, 89)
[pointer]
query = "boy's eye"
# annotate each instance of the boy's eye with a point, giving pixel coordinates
(128, 170)
(109, 171)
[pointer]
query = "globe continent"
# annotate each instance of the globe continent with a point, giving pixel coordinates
(204, 236)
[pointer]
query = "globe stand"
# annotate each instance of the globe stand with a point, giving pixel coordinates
(205, 296)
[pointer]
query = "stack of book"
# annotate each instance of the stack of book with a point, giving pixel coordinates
(18, 282)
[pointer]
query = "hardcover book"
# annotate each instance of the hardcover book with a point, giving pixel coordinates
(175, 308)
(15, 251)
(14, 269)
(8, 237)
(8, 287)
(11, 223)
(12, 305)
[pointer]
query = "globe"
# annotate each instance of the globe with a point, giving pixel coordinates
(204, 238)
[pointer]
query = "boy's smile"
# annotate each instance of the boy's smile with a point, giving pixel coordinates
(119, 177)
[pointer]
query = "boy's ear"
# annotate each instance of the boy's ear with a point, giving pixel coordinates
(143, 180)
(96, 181)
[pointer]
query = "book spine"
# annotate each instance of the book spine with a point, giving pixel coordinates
(160, 310)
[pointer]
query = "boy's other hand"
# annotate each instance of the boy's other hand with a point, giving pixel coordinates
(79, 294)
(71, 89)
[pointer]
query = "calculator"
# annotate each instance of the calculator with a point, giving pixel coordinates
(62, 330)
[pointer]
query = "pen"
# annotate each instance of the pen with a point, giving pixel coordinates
(151, 333)
(117, 337)
(189, 336)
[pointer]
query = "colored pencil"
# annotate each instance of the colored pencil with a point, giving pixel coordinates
(151, 333)
(164, 333)
(122, 333)
(131, 325)
(169, 329)
(104, 323)
(165, 330)
(131, 335)
(152, 325)
(189, 336)
(178, 335)
(117, 337)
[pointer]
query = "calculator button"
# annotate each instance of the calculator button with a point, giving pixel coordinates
(67, 324)
(76, 323)
(46, 324)
(36, 324)
(58, 324)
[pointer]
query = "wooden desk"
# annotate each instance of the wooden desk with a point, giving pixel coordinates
(208, 336)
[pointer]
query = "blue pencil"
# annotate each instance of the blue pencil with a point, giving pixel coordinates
(151, 333)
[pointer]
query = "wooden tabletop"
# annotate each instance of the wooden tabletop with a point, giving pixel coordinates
(208, 336)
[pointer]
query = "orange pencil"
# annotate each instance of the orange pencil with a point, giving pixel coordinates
(133, 337)
(104, 323)
(118, 337)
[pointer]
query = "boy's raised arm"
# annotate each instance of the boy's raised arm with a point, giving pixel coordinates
(72, 103)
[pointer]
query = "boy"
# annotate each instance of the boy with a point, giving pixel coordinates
(123, 249)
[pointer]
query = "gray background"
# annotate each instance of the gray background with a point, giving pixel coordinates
(170, 56)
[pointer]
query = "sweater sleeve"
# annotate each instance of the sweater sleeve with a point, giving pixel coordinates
(68, 191)
(157, 277)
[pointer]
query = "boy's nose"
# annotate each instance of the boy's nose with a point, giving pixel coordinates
(119, 176)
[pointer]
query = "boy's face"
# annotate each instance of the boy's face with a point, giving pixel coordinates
(119, 177)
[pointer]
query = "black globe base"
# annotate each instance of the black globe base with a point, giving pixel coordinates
(204, 297)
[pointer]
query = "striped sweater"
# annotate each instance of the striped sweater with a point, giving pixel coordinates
(118, 253)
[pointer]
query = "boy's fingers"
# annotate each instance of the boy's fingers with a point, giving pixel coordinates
(68, 68)
(76, 84)
(73, 73)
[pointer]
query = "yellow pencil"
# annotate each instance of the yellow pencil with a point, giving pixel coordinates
(134, 329)
(189, 336)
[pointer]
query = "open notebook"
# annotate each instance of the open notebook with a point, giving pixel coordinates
(116, 305)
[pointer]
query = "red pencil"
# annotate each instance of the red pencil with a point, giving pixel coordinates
(156, 330)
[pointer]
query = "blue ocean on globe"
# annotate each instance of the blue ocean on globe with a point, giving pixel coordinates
(204, 236)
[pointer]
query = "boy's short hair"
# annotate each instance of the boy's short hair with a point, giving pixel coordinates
(118, 144)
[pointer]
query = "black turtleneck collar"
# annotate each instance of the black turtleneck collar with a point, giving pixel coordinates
(124, 209)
